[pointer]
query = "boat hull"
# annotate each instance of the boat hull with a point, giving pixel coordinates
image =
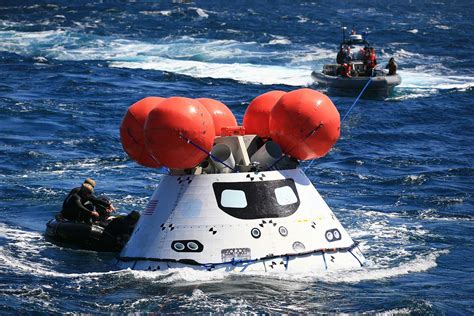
(82, 236)
(380, 84)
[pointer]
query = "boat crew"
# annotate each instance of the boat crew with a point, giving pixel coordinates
(346, 70)
(81, 205)
(392, 67)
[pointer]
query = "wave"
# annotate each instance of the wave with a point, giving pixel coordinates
(246, 73)
(247, 62)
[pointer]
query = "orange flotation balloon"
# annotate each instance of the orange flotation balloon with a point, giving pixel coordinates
(305, 123)
(257, 115)
(168, 127)
(131, 131)
(222, 116)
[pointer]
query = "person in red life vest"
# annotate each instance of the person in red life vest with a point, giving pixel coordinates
(371, 61)
(346, 70)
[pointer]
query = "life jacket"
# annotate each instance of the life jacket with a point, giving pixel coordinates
(371, 61)
(346, 70)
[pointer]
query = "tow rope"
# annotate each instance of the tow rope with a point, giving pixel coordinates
(207, 153)
(356, 100)
(347, 113)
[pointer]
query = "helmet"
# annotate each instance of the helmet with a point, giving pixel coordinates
(90, 181)
(86, 187)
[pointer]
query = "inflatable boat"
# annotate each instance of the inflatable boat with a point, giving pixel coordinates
(89, 236)
(381, 84)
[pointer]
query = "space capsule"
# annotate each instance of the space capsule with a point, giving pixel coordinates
(240, 202)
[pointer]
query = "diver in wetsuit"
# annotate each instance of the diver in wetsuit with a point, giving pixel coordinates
(74, 206)
(392, 67)
(81, 205)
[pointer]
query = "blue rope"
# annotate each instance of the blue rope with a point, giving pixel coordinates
(307, 167)
(357, 99)
(311, 132)
(347, 113)
(207, 153)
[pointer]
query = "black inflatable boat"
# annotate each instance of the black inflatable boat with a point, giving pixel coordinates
(107, 236)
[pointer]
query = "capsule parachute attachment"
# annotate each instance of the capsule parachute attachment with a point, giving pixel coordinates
(222, 116)
(257, 115)
(179, 133)
(305, 123)
(132, 131)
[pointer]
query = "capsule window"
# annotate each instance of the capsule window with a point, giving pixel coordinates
(285, 196)
(234, 199)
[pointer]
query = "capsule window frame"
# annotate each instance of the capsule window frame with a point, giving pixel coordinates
(260, 196)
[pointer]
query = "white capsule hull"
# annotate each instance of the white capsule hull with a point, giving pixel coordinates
(240, 222)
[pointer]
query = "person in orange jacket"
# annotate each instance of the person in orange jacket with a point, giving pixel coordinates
(346, 70)
(371, 61)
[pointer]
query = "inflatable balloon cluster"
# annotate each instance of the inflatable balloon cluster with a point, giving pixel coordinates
(178, 132)
(304, 122)
(155, 131)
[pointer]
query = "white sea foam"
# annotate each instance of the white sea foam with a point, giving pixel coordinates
(162, 12)
(302, 19)
(428, 81)
(202, 13)
(420, 263)
(280, 40)
(249, 73)
(21, 255)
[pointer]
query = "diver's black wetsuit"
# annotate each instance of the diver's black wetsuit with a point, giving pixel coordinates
(74, 209)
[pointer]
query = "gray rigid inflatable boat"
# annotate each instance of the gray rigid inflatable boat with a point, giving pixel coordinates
(381, 83)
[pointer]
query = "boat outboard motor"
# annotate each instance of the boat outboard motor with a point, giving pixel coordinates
(267, 155)
(224, 154)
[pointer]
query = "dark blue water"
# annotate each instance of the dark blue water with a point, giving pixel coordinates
(400, 178)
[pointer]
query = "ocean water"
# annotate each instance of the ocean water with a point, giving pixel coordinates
(400, 178)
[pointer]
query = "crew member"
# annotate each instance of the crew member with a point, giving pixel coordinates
(392, 67)
(74, 206)
(340, 56)
(371, 61)
(347, 56)
(346, 70)
(82, 205)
